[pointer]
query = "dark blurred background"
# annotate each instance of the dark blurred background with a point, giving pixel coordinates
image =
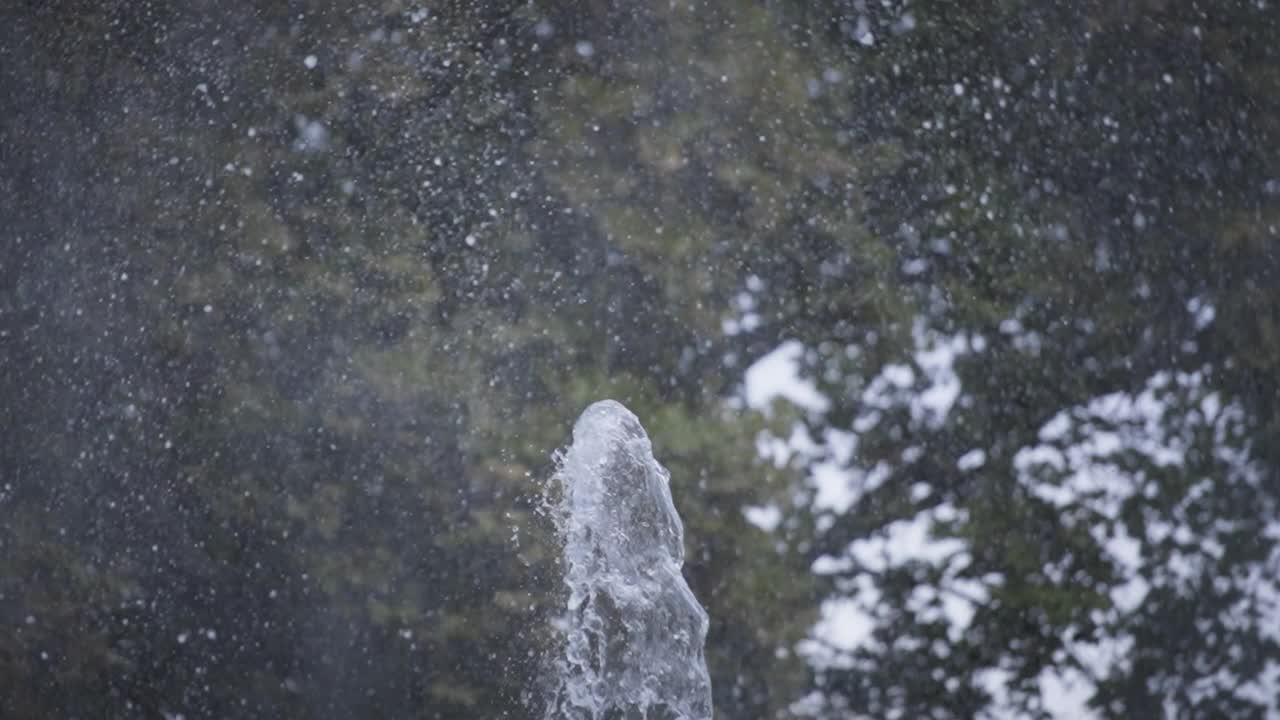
(297, 298)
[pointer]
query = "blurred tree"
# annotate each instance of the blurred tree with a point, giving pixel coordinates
(298, 298)
(300, 320)
(1073, 400)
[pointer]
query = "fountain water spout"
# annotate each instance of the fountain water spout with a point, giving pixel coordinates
(633, 632)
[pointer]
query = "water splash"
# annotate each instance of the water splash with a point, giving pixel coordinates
(633, 633)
